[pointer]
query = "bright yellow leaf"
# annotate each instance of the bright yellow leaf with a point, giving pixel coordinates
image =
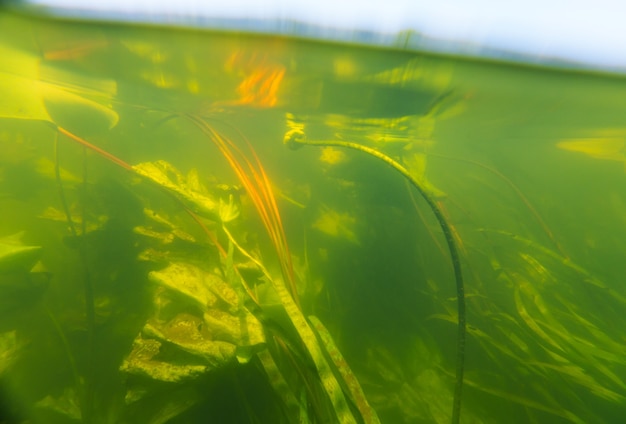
(337, 224)
(30, 89)
(332, 156)
(607, 144)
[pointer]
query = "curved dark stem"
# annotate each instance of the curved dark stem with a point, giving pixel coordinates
(454, 253)
(87, 398)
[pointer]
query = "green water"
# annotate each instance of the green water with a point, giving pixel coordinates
(182, 213)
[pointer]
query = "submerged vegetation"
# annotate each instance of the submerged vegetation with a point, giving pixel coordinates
(164, 259)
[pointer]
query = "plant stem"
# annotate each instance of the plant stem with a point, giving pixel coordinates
(87, 398)
(447, 232)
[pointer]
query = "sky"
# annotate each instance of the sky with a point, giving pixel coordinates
(591, 32)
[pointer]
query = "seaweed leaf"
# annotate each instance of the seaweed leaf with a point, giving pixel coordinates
(35, 92)
(186, 189)
(15, 255)
(354, 388)
(197, 313)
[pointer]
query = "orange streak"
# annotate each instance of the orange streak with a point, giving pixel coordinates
(279, 223)
(96, 149)
(77, 51)
(281, 245)
(245, 180)
(257, 184)
(277, 238)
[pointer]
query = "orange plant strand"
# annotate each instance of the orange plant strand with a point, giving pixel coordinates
(75, 50)
(260, 88)
(281, 239)
(128, 167)
(227, 147)
(265, 187)
(95, 148)
(257, 185)
(261, 190)
(263, 200)
(242, 175)
(247, 183)
(280, 226)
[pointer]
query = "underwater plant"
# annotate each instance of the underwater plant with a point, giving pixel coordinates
(174, 264)
(295, 139)
(222, 328)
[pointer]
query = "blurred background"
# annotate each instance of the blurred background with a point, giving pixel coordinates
(577, 34)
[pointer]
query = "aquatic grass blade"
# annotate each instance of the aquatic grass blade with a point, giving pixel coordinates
(259, 189)
(354, 388)
(297, 141)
